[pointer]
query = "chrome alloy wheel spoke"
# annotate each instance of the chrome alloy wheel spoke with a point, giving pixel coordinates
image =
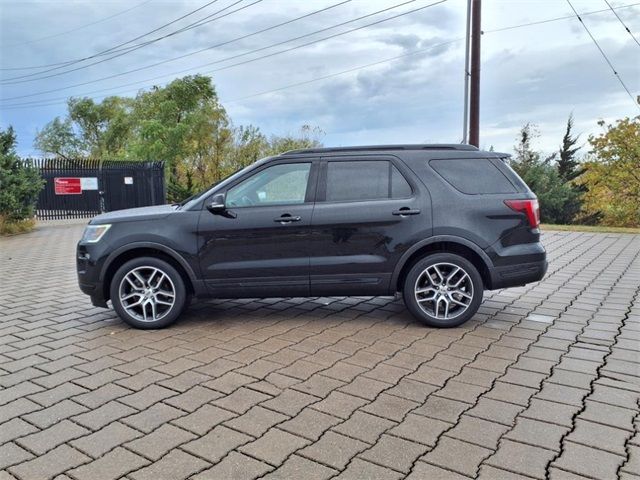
(444, 291)
(147, 293)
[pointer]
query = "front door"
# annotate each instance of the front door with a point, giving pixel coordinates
(259, 247)
(368, 211)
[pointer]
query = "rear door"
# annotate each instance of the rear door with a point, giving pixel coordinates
(369, 210)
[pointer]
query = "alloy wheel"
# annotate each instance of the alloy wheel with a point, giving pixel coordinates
(444, 291)
(147, 293)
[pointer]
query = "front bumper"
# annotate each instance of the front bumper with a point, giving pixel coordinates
(88, 271)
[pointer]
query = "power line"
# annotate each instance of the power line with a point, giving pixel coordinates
(108, 50)
(124, 50)
(557, 19)
(50, 102)
(622, 22)
(55, 35)
(604, 55)
(246, 53)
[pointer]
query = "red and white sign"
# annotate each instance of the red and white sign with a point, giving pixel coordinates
(67, 186)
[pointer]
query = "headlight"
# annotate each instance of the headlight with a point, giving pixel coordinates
(93, 233)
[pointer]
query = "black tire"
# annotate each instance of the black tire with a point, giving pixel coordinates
(472, 286)
(166, 314)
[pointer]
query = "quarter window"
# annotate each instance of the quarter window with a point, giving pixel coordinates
(365, 180)
(284, 184)
(473, 176)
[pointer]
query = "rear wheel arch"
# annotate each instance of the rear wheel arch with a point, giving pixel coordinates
(123, 255)
(443, 244)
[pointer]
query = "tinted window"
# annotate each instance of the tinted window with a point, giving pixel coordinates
(365, 180)
(473, 176)
(277, 185)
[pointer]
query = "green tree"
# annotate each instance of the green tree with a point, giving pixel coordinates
(612, 175)
(568, 162)
(20, 182)
(542, 177)
(58, 138)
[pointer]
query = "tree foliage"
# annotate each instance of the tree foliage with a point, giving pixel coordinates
(182, 123)
(612, 174)
(558, 200)
(20, 182)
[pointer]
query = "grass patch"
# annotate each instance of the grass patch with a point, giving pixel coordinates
(589, 228)
(15, 227)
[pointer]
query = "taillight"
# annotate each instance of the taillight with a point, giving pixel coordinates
(529, 207)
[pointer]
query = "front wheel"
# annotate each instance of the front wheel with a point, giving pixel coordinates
(443, 290)
(148, 293)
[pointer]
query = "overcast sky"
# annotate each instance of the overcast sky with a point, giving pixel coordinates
(536, 74)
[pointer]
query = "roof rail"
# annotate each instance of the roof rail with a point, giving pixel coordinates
(379, 148)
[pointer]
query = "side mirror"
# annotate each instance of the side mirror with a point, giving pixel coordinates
(217, 207)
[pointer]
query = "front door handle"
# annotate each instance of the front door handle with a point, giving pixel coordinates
(406, 211)
(287, 218)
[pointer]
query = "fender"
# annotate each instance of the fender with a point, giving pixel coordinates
(156, 246)
(428, 241)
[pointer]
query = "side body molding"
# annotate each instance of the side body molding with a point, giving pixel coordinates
(436, 239)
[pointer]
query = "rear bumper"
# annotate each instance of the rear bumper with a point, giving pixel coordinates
(517, 275)
(517, 265)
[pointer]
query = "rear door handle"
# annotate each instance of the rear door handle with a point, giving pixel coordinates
(286, 218)
(406, 211)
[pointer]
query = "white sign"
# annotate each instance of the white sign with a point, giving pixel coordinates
(89, 183)
(128, 180)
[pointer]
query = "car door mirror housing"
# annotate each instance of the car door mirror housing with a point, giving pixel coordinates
(216, 205)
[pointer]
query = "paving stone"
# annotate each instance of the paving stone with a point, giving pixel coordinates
(364, 427)
(608, 415)
(395, 453)
(442, 409)
(235, 466)
(359, 469)
(100, 442)
(333, 450)
(520, 458)
(457, 456)
(204, 419)
(15, 428)
(422, 470)
(241, 400)
(216, 444)
(176, 465)
(588, 461)
(537, 433)
(49, 465)
(390, 407)
(274, 446)
(51, 437)
(11, 454)
(113, 465)
(478, 431)
(289, 402)
(310, 424)
(420, 429)
(153, 417)
(551, 412)
(299, 467)
(157, 443)
(107, 413)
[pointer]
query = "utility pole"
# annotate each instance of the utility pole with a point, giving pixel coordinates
(465, 120)
(474, 98)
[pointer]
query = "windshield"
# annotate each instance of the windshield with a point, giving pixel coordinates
(192, 200)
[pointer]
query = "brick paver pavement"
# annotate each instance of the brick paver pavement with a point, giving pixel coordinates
(543, 383)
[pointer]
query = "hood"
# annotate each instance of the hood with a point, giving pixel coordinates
(134, 214)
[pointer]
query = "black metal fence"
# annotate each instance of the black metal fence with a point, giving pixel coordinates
(87, 187)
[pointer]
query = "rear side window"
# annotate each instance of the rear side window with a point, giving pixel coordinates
(473, 176)
(365, 180)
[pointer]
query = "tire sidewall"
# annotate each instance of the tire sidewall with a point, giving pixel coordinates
(168, 269)
(419, 267)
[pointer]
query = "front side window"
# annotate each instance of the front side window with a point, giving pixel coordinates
(277, 185)
(365, 180)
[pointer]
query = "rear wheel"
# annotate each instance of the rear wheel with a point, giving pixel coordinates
(148, 293)
(443, 290)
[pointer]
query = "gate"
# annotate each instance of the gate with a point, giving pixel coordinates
(84, 188)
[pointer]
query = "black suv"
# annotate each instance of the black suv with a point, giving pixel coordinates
(438, 223)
